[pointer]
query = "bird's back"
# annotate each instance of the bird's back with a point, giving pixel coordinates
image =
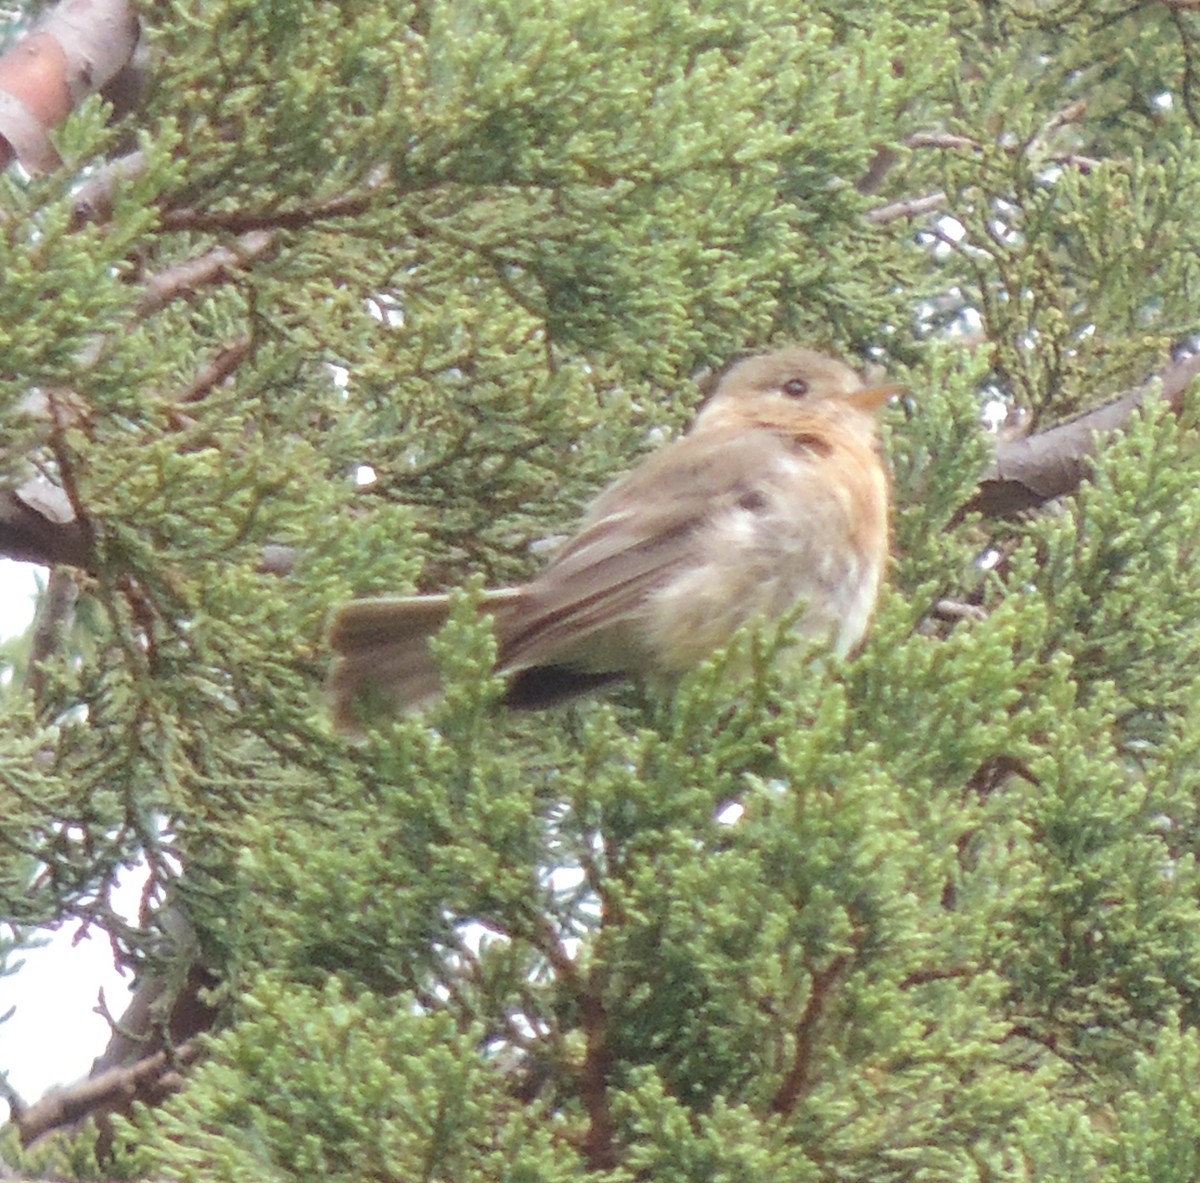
(705, 536)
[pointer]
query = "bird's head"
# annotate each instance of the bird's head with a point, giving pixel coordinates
(802, 377)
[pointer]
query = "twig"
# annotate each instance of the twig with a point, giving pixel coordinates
(939, 139)
(53, 613)
(346, 205)
(1071, 113)
(795, 1082)
(923, 977)
(599, 1143)
(216, 371)
(1085, 164)
(206, 379)
(16, 1106)
(910, 207)
(958, 610)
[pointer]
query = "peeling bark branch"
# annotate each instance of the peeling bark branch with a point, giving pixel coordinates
(76, 49)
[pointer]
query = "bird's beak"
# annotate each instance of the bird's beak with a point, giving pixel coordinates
(870, 398)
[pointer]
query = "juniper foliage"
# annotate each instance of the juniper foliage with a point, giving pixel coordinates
(929, 914)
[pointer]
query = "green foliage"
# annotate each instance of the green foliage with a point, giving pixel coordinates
(417, 1088)
(1152, 1116)
(1120, 565)
(394, 289)
(1070, 188)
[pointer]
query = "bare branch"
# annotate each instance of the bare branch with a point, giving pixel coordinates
(1027, 473)
(37, 525)
(911, 207)
(188, 277)
(154, 1076)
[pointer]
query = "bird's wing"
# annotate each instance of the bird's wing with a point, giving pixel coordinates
(582, 611)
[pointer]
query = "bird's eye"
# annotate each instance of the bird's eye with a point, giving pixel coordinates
(795, 388)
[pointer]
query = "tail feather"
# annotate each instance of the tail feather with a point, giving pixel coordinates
(384, 661)
(363, 624)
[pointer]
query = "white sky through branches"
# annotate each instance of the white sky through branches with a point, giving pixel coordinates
(54, 1033)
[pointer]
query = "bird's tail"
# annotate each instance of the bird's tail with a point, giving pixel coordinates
(384, 661)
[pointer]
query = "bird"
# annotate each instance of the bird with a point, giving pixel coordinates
(776, 500)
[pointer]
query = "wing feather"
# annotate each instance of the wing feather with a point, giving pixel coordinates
(584, 610)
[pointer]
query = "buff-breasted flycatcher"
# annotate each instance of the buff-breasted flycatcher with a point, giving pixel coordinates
(776, 499)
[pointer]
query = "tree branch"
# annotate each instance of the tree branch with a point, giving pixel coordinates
(38, 525)
(94, 198)
(910, 207)
(1027, 473)
(119, 1087)
(54, 613)
(216, 371)
(212, 267)
(352, 204)
(76, 49)
(599, 1142)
